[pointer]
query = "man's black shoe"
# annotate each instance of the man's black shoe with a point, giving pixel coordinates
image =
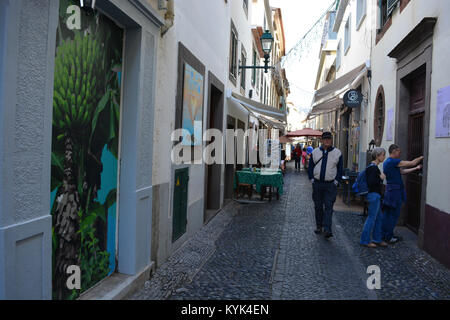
(328, 235)
(318, 231)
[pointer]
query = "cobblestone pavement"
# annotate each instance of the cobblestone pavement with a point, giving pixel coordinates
(269, 251)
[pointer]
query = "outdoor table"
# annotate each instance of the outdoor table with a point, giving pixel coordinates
(272, 180)
(260, 179)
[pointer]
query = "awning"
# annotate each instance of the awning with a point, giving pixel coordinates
(337, 85)
(307, 132)
(325, 107)
(270, 121)
(285, 139)
(328, 98)
(257, 107)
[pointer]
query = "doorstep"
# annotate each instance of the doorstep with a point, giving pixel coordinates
(118, 286)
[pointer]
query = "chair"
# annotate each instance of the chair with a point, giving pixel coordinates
(247, 187)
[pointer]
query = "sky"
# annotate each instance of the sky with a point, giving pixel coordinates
(298, 17)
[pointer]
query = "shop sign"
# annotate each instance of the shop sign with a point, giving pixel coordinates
(353, 98)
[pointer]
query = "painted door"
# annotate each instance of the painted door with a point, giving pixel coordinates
(180, 197)
(415, 149)
(86, 113)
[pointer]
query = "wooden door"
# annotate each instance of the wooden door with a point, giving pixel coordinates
(229, 168)
(415, 149)
(213, 171)
(240, 146)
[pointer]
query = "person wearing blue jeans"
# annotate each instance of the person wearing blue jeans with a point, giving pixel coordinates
(324, 197)
(325, 172)
(371, 235)
(389, 220)
(395, 193)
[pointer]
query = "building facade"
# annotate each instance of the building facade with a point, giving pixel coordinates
(76, 120)
(393, 51)
(410, 81)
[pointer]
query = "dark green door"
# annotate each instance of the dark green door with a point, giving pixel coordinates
(180, 203)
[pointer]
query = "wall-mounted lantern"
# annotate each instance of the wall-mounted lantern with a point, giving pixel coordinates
(266, 44)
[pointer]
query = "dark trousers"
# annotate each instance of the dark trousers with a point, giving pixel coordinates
(324, 196)
(297, 163)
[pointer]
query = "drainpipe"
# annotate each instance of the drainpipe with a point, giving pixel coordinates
(169, 17)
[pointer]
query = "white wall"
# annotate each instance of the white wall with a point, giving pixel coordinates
(359, 50)
(385, 70)
(204, 29)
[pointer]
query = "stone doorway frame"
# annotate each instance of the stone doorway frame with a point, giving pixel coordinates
(413, 53)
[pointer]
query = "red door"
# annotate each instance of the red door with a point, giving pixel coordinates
(415, 149)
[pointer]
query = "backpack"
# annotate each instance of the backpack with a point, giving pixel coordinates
(360, 186)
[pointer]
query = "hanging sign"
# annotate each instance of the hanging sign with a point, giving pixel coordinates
(353, 98)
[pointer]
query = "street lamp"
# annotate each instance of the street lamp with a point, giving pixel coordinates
(266, 44)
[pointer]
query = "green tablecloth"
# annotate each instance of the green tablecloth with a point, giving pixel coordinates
(273, 180)
(258, 179)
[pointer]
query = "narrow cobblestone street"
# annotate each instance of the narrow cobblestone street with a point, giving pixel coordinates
(268, 251)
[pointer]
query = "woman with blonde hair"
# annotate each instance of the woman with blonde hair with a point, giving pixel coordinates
(371, 235)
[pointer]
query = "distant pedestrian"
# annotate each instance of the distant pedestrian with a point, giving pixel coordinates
(395, 193)
(283, 161)
(371, 235)
(297, 155)
(325, 172)
(304, 155)
(309, 150)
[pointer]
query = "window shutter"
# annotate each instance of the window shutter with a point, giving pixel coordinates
(391, 6)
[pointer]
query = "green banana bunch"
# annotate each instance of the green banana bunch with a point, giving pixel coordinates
(78, 68)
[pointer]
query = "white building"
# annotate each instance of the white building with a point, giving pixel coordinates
(410, 68)
(395, 52)
(214, 38)
(30, 33)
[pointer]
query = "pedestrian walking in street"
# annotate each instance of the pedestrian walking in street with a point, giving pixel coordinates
(325, 172)
(371, 235)
(304, 155)
(309, 150)
(395, 193)
(297, 155)
(283, 161)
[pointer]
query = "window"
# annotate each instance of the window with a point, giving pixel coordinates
(262, 86)
(379, 116)
(258, 74)
(338, 56)
(347, 34)
(233, 53)
(383, 12)
(244, 63)
(245, 4)
(386, 9)
(360, 12)
(391, 5)
(331, 19)
(254, 70)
